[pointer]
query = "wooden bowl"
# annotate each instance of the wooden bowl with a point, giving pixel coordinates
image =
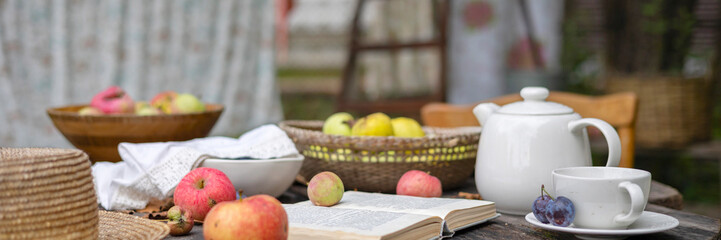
(99, 135)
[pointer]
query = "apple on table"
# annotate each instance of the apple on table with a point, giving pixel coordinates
(201, 189)
(180, 221)
(256, 217)
(325, 189)
(420, 184)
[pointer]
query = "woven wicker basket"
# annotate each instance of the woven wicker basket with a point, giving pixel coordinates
(46, 194)
(672, 111)
(375, 164)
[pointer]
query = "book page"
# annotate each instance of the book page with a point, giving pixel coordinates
(406, 204)
(312, 222)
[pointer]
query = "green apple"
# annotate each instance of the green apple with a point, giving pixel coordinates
(187, 103)
(325, 189)
(338, 124)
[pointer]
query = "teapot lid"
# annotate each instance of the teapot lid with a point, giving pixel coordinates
(534, 103)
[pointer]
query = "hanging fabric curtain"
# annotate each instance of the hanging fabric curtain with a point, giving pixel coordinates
(54, 53)
(490, 51)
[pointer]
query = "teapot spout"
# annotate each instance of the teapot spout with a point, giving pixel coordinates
(484, 110)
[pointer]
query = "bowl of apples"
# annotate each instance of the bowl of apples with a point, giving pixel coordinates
(113, 117)
(373, 152)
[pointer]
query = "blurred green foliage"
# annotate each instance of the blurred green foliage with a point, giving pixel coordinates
(307, 106)
(696, 179)
(295, 73)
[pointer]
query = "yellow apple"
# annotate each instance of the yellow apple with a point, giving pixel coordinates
(407, 127)
(89, 111)
(376, 124)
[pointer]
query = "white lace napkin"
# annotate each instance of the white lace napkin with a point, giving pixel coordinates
(152, 170)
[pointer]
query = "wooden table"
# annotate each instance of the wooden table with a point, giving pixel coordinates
(692, 226)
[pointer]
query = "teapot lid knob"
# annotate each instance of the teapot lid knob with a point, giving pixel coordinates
(534, 103)
(534, 93)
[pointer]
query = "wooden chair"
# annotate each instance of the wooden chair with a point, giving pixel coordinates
(618, 109)
(407, 106)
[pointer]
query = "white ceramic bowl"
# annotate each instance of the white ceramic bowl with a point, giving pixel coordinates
(270, 176)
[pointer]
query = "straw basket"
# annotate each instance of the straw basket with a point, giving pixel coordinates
(672, 111)
(375, 164)
(48, 193)
(99, 135)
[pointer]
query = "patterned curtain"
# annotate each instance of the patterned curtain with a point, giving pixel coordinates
(60, 52)
(489, 47)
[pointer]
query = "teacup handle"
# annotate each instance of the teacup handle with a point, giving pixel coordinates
(637, 204)
(614, 142)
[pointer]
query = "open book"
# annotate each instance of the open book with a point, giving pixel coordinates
(362, 215)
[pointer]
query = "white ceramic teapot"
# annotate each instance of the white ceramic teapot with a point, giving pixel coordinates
(522, 142)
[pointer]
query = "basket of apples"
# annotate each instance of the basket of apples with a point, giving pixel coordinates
(113, 117)
(373, 152)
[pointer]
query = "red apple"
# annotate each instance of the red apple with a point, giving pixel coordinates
(256, 217)
(325, 189)
(201, 189)
(163, 101)
(180, 221)
(113, 100)
(420, 184)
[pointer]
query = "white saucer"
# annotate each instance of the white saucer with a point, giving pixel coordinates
(649, 222)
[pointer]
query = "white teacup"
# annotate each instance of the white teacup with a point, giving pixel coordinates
(604, 197)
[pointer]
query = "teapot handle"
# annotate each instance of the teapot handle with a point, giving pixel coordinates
(614, 142)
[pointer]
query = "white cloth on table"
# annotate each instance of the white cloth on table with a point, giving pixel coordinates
(152, 170)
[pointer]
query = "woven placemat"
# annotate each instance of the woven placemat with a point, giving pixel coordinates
(122, 226)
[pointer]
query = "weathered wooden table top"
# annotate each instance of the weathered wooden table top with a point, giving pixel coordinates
(692, 226)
